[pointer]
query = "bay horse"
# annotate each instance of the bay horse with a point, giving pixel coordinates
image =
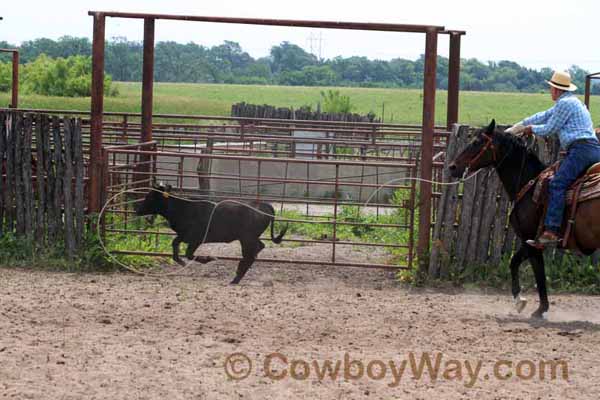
(516, 165)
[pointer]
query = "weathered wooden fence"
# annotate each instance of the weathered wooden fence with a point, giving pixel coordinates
(267, 111)
(471, 225)
(42, 185)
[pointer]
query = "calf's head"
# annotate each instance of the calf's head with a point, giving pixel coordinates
(155, 201)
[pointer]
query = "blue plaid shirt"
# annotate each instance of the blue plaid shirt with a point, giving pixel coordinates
(568, 117)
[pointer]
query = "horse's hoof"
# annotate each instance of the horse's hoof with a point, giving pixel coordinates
(520, 303)
(234, 282)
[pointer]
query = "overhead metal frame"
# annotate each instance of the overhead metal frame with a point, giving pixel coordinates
(429, 88)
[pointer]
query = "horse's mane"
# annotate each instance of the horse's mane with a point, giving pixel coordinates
(517, 146)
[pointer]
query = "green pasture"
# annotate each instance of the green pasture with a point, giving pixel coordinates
(401, 105)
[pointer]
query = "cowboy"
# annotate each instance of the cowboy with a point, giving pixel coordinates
(571, 121)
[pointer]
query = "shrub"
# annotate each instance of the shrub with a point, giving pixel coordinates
(334, 102)
(66, 77)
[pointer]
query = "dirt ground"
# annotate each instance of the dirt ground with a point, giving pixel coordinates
(123, 336)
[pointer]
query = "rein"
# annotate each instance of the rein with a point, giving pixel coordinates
(529, 184)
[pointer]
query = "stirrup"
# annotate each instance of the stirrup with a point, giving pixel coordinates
(541, 243)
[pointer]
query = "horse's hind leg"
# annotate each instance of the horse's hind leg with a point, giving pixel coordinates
(517, 259)
(537, 262)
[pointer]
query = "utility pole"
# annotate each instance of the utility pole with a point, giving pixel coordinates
(311, 40)
(320, 46)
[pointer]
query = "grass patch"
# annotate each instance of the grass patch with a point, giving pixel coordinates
(368, 232)
(147, 242)
(401, 105)
(25, 252)
(566, 274)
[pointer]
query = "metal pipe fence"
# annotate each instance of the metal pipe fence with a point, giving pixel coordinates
(321, 194)
(320, 186)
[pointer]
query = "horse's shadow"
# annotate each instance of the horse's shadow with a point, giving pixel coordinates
(564, 326)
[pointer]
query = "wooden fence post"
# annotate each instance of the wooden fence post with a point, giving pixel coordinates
(446, 210)
(26, 166)
(79, 202)
(67, 186)
(57, 224)
(18, 172)
(3, 186)
(10, 172)
(40, 173)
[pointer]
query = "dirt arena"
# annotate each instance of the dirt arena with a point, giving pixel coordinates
(122, 336)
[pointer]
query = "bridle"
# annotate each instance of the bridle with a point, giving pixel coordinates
(489, 144)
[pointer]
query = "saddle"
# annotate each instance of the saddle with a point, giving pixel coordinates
(586, 187)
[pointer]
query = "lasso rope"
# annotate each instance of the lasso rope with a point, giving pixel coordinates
(144, 190)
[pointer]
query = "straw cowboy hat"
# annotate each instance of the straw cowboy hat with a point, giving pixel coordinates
(561, 80)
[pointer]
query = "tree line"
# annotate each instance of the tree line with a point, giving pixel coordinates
(287, 64)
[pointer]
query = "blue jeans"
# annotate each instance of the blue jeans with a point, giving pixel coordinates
(580, 156)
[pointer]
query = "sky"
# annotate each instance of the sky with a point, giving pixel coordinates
(536, 34)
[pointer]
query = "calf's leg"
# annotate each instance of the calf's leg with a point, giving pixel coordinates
(249, 251)
(175, 245)
(189, 254)
(260, 246)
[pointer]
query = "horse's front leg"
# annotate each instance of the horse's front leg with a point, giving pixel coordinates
(537, 262)
(515, 262)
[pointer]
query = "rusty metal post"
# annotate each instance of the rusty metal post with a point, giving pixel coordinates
(15, 80)
(588, 87)
(335, 210)
(258, 188)
(97, 109)
(147, 80)
(427, 149)
(453, 80)
(103, 177)
(144, 169)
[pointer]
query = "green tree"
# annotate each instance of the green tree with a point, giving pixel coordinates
(123, 59)
(290, 57)
(5, 76)
(287, 64)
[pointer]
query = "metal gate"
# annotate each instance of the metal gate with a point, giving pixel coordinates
(346, 188)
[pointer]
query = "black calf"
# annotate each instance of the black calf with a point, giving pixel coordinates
(230, 221)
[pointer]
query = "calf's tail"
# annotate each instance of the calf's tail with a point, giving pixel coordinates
(277, 239)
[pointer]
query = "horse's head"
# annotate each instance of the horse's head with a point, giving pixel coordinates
(481, 152)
